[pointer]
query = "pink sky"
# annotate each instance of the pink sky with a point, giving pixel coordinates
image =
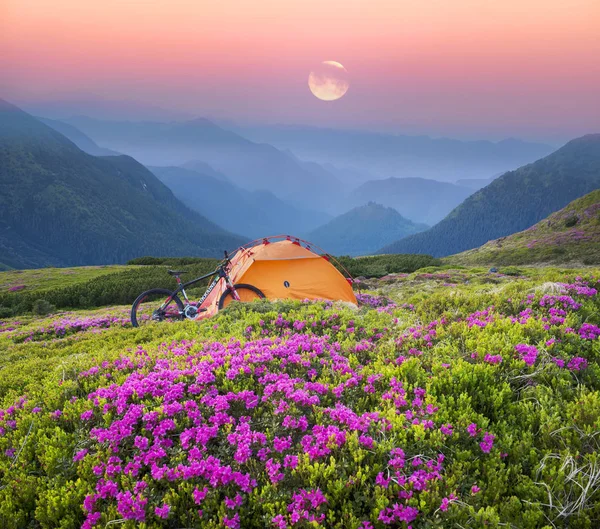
(527, 68)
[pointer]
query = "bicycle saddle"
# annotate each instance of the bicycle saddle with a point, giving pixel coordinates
(176, 272)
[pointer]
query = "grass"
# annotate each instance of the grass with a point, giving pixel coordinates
(41, 279)
(491, 379)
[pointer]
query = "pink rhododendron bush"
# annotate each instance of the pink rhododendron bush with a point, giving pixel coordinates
(474, 403)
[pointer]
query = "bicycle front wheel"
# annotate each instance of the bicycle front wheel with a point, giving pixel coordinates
(246, 293)
(148, 307)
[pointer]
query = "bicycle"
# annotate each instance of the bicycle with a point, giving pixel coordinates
(144, 308)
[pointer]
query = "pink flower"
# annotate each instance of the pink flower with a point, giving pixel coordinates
(558, 361)
(279, 522)
(366, 441)
(290, 462)
(233, 503)
(475, 489)
(446, 502)
(91, 520)
(493, 359)
(528, 353)
(577, 363)
(472, 429)
(589, 331)
(233, 522)
(446, 429)
(487, 443)
(80, 455)
(199, 495)
(381, 481)
(163, 512)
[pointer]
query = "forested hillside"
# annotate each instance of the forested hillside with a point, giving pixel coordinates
(60, 206)
(513, 202)
(569, 235)
(362, 230)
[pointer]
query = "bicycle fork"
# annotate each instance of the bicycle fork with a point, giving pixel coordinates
(234, 293)
(230, 286)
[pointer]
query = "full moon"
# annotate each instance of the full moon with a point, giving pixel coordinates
(329, 81)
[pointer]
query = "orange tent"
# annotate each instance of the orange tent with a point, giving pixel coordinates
(282, 269)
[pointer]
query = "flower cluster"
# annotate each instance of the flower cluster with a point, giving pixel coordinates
(307, 414)
(68, 325)
(170, 421)
(381, 303)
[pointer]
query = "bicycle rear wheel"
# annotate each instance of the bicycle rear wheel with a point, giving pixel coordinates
(246, 293)
(147, 307)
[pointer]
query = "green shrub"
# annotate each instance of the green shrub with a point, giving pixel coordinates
(510, 271)
(571, 221)
(41, 307)
(6, 312)
(119, 288)
(381, 265)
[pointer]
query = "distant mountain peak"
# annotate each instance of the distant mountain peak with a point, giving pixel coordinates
(419, 199)
(360, 230)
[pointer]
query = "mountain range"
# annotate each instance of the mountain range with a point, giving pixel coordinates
(420, 200)
(363, 230)
(247, 164)
(257, 213)
(68, 197)
(570, 235)
(513, 202)
(61, 206)
(395, 155)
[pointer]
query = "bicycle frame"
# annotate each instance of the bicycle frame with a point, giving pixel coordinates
(220, 272)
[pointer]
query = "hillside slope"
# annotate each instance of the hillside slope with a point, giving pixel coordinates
(248, 164)
(84, 142)
(255, 213)
(363, 230)
(418, 199)
(569, 235)
(60, 206)
(513, 202)
(429, 380)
